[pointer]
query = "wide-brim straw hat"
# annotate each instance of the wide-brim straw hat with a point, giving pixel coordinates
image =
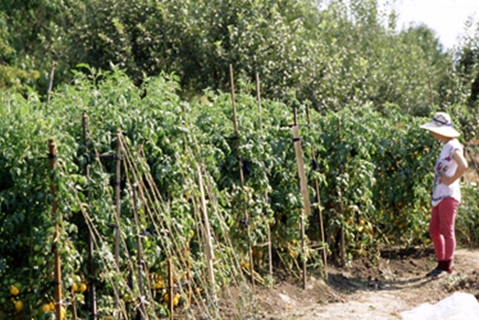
(441, 124)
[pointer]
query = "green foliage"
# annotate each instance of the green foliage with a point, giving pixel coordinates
(32, 40)
(373, 172)
(328, 55)
(466, 81)
(158, 71)
(467, 216)
(378, 172)
(11, 75)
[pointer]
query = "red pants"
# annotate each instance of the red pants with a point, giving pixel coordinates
(441, 228)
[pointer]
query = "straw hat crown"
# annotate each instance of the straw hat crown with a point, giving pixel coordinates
(441, 124)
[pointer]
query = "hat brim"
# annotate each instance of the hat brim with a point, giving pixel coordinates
(445, 131)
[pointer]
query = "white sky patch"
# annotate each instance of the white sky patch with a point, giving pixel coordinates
(446, 17)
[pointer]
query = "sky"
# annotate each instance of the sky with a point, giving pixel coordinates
(446, 17)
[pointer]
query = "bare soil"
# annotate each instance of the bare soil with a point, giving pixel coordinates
(363, 290)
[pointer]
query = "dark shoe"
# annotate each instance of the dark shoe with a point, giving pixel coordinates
(447, 266)
(436, 273)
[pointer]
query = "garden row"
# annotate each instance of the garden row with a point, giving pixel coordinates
(170, 222)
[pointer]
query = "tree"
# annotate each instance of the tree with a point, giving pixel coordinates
(326, 55)
(466, 79)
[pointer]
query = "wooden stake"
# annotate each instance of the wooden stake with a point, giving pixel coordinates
(91, 268)
(58, 269)
(50, 81)
(170, 289)
(295, 110)
(240, 162)
(117, 207)
(74, 307)
(268, 228)
(302, 176)
(139, 252)
(304, 191)
(341, 230)
(188, 272)
(320, 214)
(207, 232)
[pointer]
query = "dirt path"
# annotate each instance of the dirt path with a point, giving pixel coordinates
(364, 291)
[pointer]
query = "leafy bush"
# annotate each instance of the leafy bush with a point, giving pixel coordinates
(467, 216)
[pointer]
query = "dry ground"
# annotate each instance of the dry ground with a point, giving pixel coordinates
(364, 291)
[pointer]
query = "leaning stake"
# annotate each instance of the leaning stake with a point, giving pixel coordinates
(268, 228)
(304, 192)
(117, 209)
(139, 252)
(340, 198)
(58, 269)
(240, 162)
(320, 214)
(170, 288)
(209, 247)
(50, 81)
(91, 268)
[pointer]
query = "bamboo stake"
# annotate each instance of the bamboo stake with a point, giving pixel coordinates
(139, 252)
(58, 268)
(304, 192)
(235, 121)
(186, 256)
(117, 208)
(91, 268)
(170, 288)
(74, 307)
(188, 273)
(295, 110)
(268, 228)
(50, 81)
(341, 230)
(320, 214)
(207, 232)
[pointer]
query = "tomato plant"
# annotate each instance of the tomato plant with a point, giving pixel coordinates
(179, 161)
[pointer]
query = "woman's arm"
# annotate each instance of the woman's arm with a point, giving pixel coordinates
(461, 168)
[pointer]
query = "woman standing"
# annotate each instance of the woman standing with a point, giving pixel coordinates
(446, 194)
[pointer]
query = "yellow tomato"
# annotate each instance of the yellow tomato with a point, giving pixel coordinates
(46, 307)
(74, 287)
(83, 287)
(14, 291)
(18, 305)
(176, 300)
(159, 284)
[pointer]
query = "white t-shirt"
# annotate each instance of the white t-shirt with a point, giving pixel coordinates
(446, 165)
